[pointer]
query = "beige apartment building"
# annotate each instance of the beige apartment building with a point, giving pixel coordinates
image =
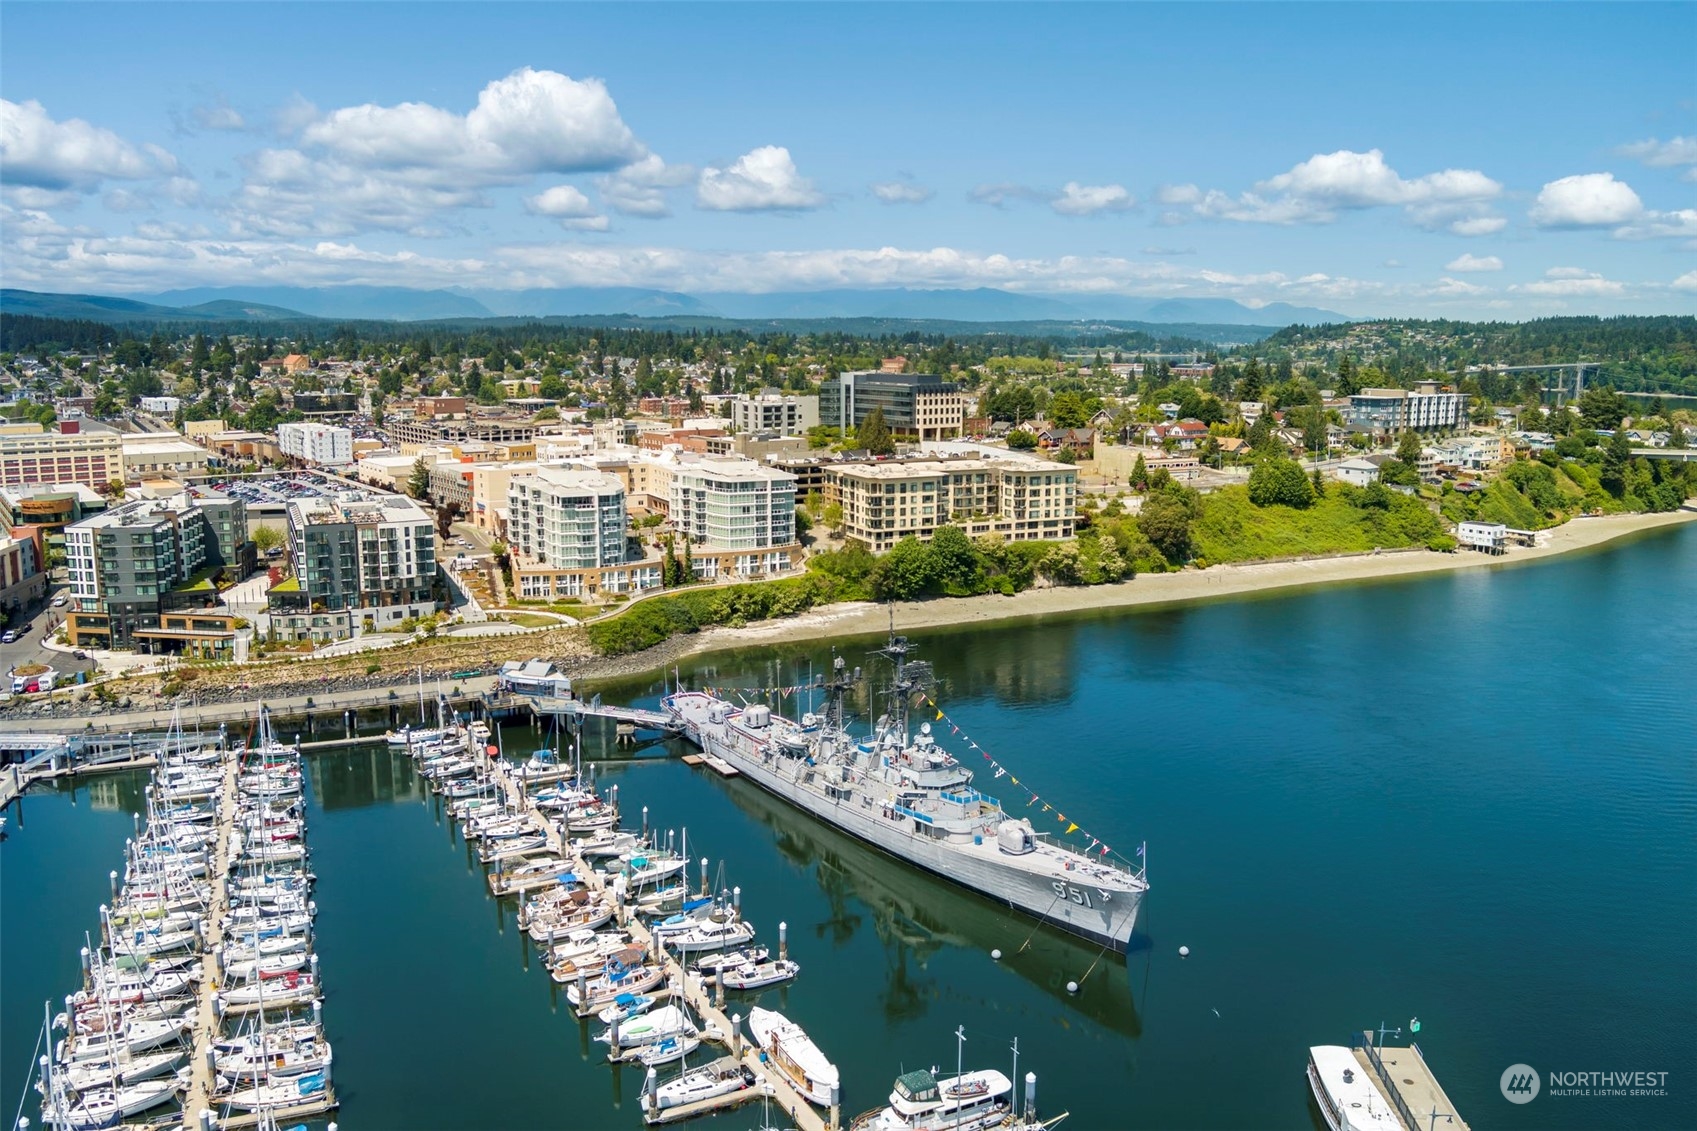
(1020, 500)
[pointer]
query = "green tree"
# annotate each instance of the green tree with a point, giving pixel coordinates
(1602, 409)
(1279, 482)
(1068, 410)
(1408, 449)
(874, 434)
(1165, 521)
(1020, 440)
(418, 483)
(955, 561)
(266, 538)
(1617, 455)
(1139, 473)
(906, 572)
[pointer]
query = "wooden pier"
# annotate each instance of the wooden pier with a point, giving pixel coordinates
(695, 989)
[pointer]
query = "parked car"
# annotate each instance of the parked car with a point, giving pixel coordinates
(10, 637)
(61, 601)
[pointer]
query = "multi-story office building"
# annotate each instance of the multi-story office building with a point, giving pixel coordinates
(161, 406)
(30, 454)
(322, 444)
(772, 411)
(1389, 411)
(144, 574)
(1018, 499)
(920, 405)
(364, 562)
(732, 504)
(568, 518)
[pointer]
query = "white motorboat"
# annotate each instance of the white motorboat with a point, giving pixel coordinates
(589, 949)
(606, 843)
(972, 1101)
(626, 1006)
(711, 934)
(553, 923)
(650, 1027)
(708, 964)
(1362, 1087)
(409, 736)
(759, 975)
(604, 988)
(795, 1054)
(721, 1078)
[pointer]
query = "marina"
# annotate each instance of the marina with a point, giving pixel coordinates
(893, 960)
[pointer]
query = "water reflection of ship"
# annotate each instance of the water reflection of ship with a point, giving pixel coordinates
(917, 916)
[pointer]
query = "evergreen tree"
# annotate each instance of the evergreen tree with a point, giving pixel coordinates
(418, 483)
(874, 435)
(1139, 473)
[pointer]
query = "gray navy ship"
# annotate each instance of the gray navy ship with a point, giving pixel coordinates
(905, 794)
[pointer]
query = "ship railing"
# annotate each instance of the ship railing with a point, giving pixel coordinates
(969, 797)
(906, 812)
(1365, 1043)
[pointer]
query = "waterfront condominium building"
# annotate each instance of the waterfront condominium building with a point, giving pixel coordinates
(323, 444)
(364, 561)
(143, 574)
(30, 454)
(1018, 499)
(772, 411)
(920, 405)
(1389, 411)
(569, 518)
(732, 504)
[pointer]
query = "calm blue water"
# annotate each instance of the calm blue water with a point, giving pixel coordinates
(1469, 798)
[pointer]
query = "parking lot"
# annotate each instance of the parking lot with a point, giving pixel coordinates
(277, 490)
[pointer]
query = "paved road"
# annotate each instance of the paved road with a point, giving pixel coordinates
(32, 624)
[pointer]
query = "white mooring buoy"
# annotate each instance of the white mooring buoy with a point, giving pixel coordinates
(996, 954)
(1072, 987)
(1184, 952)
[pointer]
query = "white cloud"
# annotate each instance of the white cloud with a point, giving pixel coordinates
(1322, 188)
(639, 189)
(1660, 225)
(40, 153)
(901, 192)
(1089, 200)
(1002, 194)
(761, 180)
(217, 115)
(1571, 282)
(1686, 282)
(1478, 225)
(1588, 200)
(569, 206)
(561, 202)
(400, 167)
(1658, 154)
(529, 122)
(1449, 287)
(1470, 262)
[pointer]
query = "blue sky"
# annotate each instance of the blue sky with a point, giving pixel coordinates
(1466, 160)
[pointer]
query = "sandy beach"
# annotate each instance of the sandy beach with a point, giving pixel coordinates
(861, 618)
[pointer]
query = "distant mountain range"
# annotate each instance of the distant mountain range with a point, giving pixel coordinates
(361, 303)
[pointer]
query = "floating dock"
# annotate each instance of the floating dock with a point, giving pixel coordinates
(696, 990)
